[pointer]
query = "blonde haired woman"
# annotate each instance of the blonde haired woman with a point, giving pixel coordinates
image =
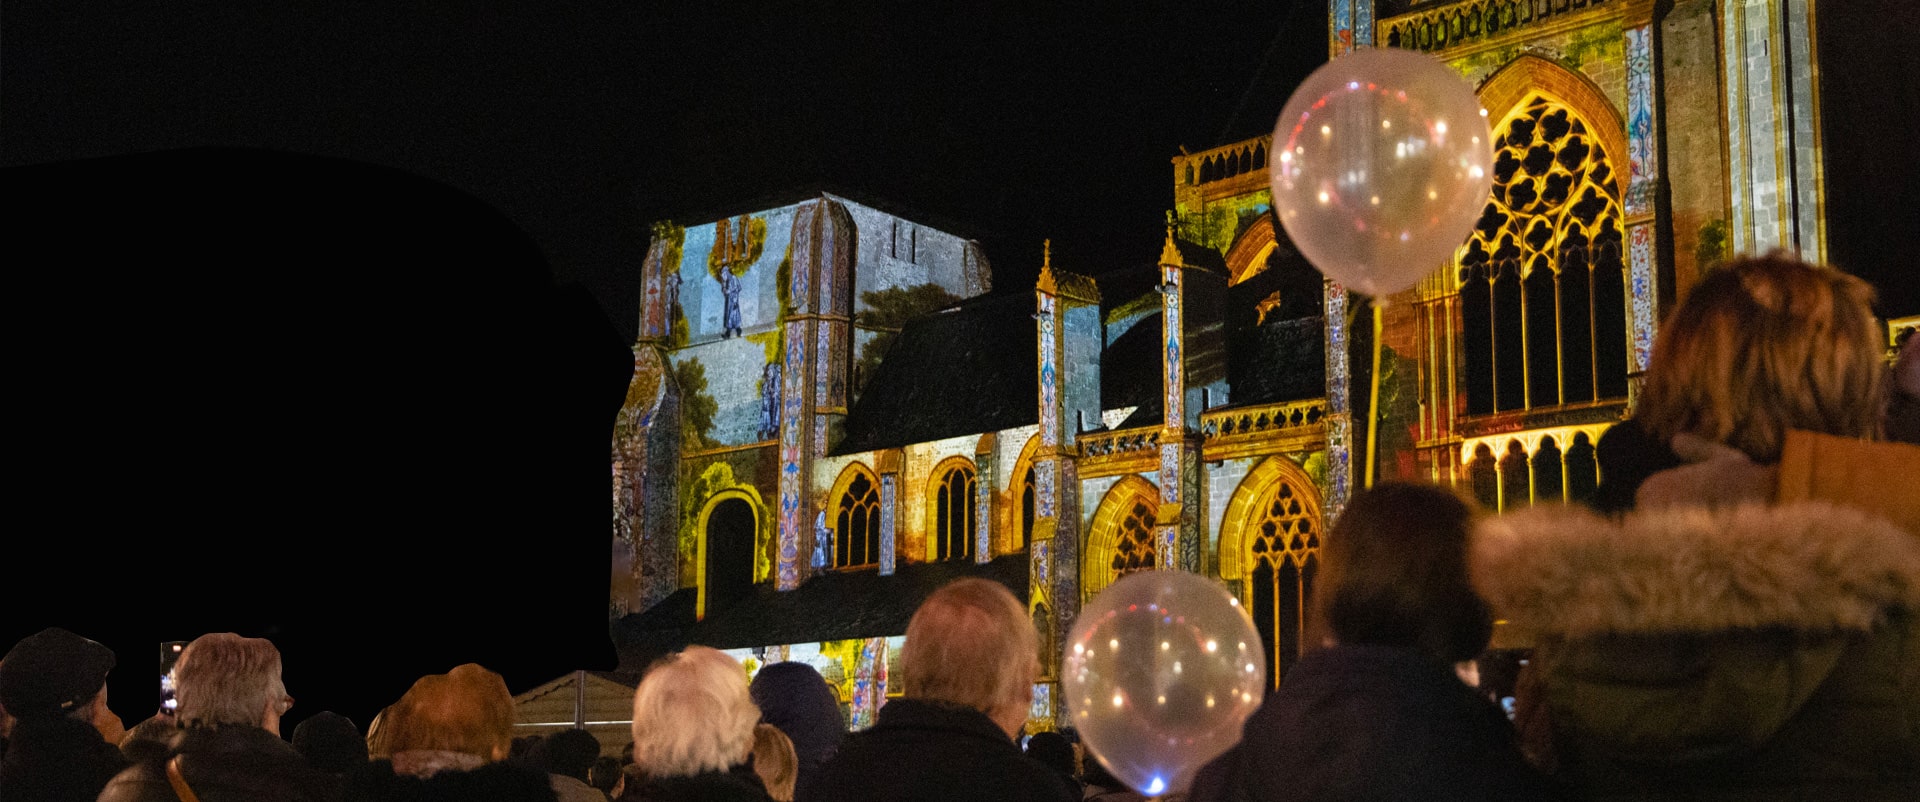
(693, 724)
(1710, 642)
(1762, 346)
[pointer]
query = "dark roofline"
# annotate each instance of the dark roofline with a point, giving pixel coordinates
(804, 192)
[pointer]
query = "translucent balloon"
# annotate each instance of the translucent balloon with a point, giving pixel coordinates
(1162, 669)
(1383, 162)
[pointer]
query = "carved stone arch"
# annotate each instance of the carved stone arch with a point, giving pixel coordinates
(1508, 88)
(1116, 525)
(1247, 256)
(756, 540)
(1015, 518)
(1272, 553)
(1241, 514)
(849, 518)
(1542, 279)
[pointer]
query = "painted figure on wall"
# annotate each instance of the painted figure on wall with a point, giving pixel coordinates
(730, 286)
(822, 543)
(770, 401)
(672, 306)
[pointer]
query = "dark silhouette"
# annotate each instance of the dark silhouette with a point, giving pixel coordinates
(796, 699)
(316, 400)
(331, 742)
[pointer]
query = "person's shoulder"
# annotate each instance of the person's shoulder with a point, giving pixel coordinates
(144, 781)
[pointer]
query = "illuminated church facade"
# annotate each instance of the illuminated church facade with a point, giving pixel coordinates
(830, 414)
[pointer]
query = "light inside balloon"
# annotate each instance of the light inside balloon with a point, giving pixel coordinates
(1159, 703)
(1391, 130)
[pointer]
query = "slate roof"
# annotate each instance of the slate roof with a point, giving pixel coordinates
(1283, 359)
(831, 606)
(967, 369)
(971, 368)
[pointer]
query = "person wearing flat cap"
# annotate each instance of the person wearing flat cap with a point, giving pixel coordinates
(53, 684)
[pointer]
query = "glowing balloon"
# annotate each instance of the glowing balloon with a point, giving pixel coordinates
(1161, 671)
(1382, 163)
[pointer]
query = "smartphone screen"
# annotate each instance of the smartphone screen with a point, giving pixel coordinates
(169, 654)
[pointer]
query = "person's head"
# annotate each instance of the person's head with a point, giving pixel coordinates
(794, 697)
(1052, 750)
(971, 644)
(1393, 572)
(605, 774)
(774, 761)
(692, 714)
(330, 742)
(529, 751)
(1764, 345)
(54, 673)
(467, 711)
(223, 679)
(572, 753)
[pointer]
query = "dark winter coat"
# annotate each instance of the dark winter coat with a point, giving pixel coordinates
(1756, 651)
(493, 782)
(738, 784)
(58, 759)
(1367, 722)
(926, 752)
(227, 764)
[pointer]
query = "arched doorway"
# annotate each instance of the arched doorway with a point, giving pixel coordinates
(731, 526)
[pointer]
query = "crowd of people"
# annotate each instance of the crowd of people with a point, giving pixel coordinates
(1698, 631)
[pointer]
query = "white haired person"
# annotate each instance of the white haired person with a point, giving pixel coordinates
(967, 672)
(693, 727)
(229, 748)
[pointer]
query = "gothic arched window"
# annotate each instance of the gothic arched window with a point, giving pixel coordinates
(856, 523)
(1133, 549)
(1542, 280)
(1283, 556)
(953, 513)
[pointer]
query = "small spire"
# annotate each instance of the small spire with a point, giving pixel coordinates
(1046, 254)
(1169, 252)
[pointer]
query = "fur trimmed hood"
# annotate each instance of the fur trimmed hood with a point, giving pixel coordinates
(1807, 566)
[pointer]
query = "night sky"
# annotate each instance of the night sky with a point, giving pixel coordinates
(1008, 122)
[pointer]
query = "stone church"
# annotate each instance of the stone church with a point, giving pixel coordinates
(830, 414)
